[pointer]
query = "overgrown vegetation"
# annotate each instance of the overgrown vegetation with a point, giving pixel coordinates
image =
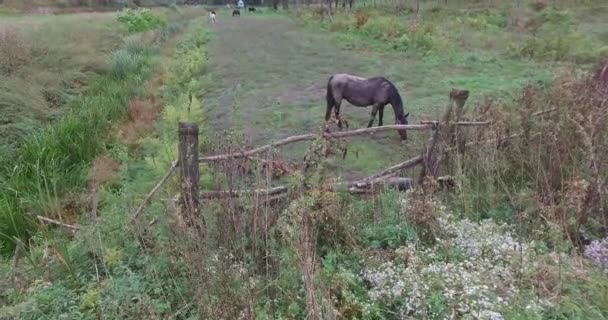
(548, 34)
(140, 20)
(43, 169)
(521, 235)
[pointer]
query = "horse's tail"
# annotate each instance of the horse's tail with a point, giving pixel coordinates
(331, 102)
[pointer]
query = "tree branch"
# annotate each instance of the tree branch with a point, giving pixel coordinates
(59, 223)
(154, 190)
(311, 136)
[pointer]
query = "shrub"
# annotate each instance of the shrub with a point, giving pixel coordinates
(362, 18)
(134, 45)
(383, 28)
(419, 38)
(555, 47)
(539, 5)
(122, 63)
(140, 20)
(554, 160)
(341, 23)
(556, 16)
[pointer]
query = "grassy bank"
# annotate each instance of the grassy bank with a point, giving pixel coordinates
(46, 170)
(126, 270)
(47, 62)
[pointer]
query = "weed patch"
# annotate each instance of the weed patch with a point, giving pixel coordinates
(54, 159)
(138, 20)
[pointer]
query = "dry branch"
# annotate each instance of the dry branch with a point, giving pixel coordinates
(311, 136)
(540, 113)
(400, 166)
(460, 123)
(400, 183)
(154, 190)
(395, 182)
(59, 223)
(239, 193)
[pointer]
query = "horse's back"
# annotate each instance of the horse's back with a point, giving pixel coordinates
(344, 77)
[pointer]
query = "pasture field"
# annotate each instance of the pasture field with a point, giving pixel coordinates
(521, 235)
(473, 49)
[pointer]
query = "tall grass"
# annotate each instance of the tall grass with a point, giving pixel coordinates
(51, 161)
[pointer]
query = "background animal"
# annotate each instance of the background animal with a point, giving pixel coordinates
(251, 9)
(236, 13)
(212, 18)
(363, 92)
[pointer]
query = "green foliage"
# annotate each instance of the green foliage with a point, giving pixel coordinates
(368, 262)
(123, 63)
(557, 47)
(52, 159)
(138, 20)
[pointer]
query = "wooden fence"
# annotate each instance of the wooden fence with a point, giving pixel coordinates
(446, 136)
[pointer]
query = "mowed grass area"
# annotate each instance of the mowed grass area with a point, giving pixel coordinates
(269, 73)
(47, 61)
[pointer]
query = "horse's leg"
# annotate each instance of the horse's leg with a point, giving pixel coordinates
(373, 115)
(330, 106)
(338, 103)
(380, 115)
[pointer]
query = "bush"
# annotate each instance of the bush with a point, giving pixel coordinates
(134, 45)
(122, 62)
(342, 23)
(140, 20)
(383, 28)
(362, 18)
(552, 165)
(556, 47)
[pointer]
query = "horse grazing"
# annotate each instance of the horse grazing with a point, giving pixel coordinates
(251, 9)
(236, 13)
(363, 92)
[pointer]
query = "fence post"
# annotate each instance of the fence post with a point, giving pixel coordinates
(189, 172)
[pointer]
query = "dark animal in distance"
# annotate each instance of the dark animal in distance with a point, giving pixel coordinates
(236, 13)
(363, 92)
(251, 9)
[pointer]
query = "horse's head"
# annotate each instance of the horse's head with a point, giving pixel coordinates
(403, 120)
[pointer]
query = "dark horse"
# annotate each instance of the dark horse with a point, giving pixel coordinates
(251, 9)
(236, 13)
(363, 92)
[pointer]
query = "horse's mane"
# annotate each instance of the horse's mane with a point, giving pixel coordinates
(395, 99)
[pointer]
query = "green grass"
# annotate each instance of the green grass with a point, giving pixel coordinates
(139, 172)
(48, 164)
(267, 85)
(61, 56)
(275, 86)
(51, 161)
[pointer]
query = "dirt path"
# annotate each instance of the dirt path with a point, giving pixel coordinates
(269, 77)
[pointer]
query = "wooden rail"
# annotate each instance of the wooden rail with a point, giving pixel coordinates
(188, 162)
